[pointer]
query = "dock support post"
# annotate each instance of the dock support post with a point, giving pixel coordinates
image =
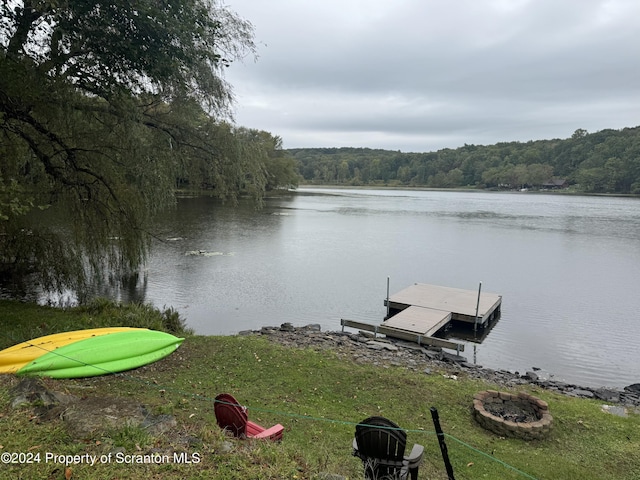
(388, 306)
(475, 323)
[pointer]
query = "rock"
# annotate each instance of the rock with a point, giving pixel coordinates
(408, 345)
(629, 398)
(553, 385)
(366, 334)
(633, 388)
(376, 345)
(287, 327)
(579, 392)
(316, 327)
(607, 395)
(451, 357)
(542, 375)
(615, 410)
(431, 354)
(531, 376)
(32, 392)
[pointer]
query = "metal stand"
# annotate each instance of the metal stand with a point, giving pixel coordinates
(443, 445)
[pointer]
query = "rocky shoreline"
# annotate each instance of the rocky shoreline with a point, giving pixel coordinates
(362, 347)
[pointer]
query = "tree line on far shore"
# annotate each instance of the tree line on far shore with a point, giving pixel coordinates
(607, 161)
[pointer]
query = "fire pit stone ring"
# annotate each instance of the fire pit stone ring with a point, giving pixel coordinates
(518, 415)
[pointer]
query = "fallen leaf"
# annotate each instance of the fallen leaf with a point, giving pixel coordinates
(470, 464)
(67, 473)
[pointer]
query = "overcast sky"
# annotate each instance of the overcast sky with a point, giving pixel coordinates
(421, 75)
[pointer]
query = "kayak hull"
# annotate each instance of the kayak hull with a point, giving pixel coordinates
(88, 353)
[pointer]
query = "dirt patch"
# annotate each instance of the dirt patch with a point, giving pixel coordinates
(92, 415)
(87, 417)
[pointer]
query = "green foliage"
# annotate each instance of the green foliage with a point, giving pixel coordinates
(105, 108)
(602, 162)
(118, 48)
(134, 314)
(279, 165)
(20, 322)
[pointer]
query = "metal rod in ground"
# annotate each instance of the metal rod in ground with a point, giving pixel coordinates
(443, 445)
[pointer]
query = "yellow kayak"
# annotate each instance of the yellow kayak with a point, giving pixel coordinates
(14, 358)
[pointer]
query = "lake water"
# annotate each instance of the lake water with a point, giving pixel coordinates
(566, 266)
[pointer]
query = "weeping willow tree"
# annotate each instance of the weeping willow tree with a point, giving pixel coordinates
(103, 105)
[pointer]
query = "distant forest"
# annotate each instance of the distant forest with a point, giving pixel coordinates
(607, 161)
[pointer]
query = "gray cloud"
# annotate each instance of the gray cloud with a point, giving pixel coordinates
(419, 75)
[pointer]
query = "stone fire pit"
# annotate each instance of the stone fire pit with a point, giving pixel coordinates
(512, 415)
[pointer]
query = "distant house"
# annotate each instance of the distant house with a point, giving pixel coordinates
(555, 183)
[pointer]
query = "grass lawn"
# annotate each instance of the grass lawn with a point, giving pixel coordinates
(317, 397)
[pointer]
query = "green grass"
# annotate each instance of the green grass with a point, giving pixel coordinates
(317, 396)
(23, 321)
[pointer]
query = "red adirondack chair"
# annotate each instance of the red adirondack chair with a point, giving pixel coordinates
(233, 417)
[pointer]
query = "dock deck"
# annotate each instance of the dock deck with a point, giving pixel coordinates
(423, 321)
(460, 303)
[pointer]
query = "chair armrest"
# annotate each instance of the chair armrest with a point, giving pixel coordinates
(415, 457)
(355, 452)
(273, 433)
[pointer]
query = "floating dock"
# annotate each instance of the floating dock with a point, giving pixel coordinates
(419, 311)
(470, 306)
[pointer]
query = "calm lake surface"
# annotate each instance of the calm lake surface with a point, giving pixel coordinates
(566, 266)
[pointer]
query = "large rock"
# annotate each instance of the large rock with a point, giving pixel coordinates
(633, 388)
(32, 392)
